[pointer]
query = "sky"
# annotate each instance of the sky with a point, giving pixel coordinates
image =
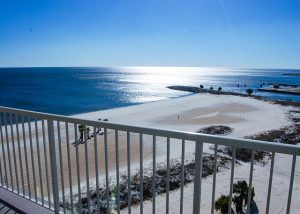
(219, 33)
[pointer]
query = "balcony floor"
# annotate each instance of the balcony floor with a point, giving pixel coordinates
(4, 209)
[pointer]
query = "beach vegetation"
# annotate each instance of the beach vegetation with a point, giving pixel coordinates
(240, 198)
(175, 182)
(249, 91)
(287, 135)
(222, 204)
(216, 130)
(211, 88)
(245, 154)
(201, 86)
(220, 89)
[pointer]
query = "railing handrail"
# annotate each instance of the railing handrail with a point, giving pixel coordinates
(192, 136)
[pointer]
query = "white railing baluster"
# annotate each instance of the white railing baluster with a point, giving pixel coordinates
(3, 154)
(291, 184)
(250, 182)
(20, 154)
(106, 172)
(141, 176)
(26, 158)
(69, 167)
(117, 170)
(8, 153)
(198, 177)
(3, 174)
(32, 158)
(78, 166)
(270, 183)
(154, 174)
(231, 178)
(39, 161)
(182, 175)
(61, 164)
(214, 179)
(128, 173)
(53, 164)
(46, 162)
(87, 170)
(168, 176)
(14, 151)
(96, 168)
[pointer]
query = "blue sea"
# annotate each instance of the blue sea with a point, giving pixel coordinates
(73, 90)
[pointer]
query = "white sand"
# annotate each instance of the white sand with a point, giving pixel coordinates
(246, 116)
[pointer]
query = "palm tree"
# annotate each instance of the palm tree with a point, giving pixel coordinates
(201, 86)
(220, 88)
(238, 201)
(240, 189)
(211, 88)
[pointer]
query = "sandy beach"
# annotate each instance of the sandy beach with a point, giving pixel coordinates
(246, 116)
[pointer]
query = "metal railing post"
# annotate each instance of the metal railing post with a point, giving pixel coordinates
(198, 178)
(53, 165)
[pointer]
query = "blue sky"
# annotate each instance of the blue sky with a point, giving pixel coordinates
(231, 33)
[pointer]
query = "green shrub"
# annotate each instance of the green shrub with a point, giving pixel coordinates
(222, 204)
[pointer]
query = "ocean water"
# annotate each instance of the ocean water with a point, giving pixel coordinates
(71, 90)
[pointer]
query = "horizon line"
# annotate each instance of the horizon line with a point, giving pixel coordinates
(149, 66)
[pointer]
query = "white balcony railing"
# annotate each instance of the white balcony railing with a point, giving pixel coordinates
(45, 159)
